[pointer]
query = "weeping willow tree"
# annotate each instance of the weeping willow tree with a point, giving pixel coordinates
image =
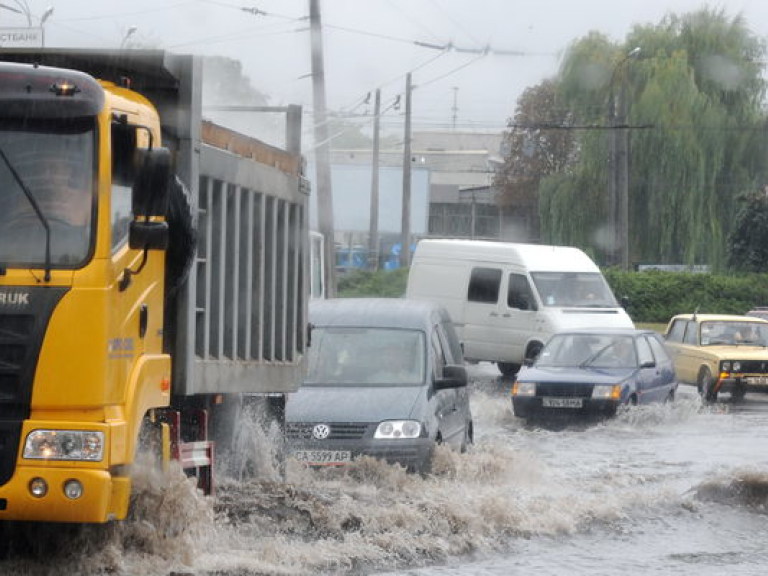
(694, 110)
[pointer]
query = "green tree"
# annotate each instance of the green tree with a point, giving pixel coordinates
(537, 145)
(748, 244)
(694, 96)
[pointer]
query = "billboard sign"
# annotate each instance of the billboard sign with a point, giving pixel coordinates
(21, 37)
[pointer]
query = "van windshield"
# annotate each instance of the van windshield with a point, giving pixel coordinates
(574, 289)
(362, 356)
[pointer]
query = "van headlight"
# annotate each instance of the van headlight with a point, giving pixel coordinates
(397, 429)
(84, 445)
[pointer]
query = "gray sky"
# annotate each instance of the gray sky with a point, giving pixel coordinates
(371, 44)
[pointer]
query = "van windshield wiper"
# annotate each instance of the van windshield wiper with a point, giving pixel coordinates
(38, 212)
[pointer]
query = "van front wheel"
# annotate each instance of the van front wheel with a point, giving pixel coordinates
(507, 368)
(534, 349)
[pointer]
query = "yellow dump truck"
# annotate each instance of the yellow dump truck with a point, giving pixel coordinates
(153, 277)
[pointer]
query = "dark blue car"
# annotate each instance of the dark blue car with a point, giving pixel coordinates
(593, 372)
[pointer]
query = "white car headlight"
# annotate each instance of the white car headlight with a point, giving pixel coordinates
(396, 429)
(85, 445)
(524, 389)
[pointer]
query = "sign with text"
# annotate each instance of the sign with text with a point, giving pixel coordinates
(21, 37)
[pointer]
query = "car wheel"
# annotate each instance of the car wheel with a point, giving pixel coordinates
(706, 385)
(508, 369)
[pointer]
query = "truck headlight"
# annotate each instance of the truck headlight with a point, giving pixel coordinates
(396, 429)
(85, 445)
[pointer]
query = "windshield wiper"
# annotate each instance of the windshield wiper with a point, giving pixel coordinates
(38, 212)
(595, 356)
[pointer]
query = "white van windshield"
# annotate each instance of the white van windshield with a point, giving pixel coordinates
(362, 356)
(574, 289)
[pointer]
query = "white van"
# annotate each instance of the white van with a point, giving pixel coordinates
(507, 299)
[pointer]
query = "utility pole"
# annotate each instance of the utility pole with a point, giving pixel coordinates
(322, 149)
(405, 236)
(373, 229)
(618, 161)
(455, 108)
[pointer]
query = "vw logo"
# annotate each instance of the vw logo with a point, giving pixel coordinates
(321, 431)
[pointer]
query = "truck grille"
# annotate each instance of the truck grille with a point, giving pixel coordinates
(24, 316)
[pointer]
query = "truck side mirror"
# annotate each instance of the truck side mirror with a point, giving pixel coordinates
(150, 187)
(148, 235)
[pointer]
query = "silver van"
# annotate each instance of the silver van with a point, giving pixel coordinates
(385, 379)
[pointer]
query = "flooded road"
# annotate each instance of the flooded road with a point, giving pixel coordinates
(669, 489)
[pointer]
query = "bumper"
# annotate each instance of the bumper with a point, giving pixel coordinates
(531, 407)
(104, 497)
(744, 384)
(414, 454)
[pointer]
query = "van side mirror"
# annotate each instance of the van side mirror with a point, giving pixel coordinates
(454, 376)
(625, 302)
(150, 187)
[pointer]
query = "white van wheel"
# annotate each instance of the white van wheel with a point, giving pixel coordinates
(533, 351)
(507, 368)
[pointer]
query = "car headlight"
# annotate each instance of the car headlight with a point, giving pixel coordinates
(524, 389)
(602, 392)
(725, 367)
(85, 445)
(396, 429)
(737, 366)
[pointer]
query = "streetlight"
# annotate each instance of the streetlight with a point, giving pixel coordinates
(47, 14)
(618, 162)
(131, 30)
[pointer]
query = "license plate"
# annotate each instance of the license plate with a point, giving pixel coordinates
(323, 457)
(562, 402)
(758, 380)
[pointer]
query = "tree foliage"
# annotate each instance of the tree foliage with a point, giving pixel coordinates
(537, 145)
(694, 94)
(748, 245)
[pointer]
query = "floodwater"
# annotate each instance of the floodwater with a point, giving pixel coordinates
(669, 489)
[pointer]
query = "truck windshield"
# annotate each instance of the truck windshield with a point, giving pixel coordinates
(49, 164)
(361, 356)
(574, 289)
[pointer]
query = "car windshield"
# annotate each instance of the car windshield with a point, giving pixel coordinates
(366, 356)
(730, 333)
(589, 350)
(583, 289)
(50, 167)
